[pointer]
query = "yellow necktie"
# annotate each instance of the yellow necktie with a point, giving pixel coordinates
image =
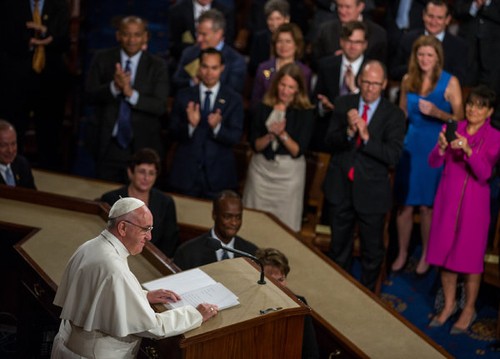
(39, 55)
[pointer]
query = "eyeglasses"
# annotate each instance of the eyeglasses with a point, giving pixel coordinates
(369, 83)
(355, 42)
(143, 229)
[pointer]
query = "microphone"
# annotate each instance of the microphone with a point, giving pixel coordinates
(215, 244)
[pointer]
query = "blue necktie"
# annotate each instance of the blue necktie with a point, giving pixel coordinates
(124, 135)
(9, 177)
(206, 104)
(224, 255)
(403, 15)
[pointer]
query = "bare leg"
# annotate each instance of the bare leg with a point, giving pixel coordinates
(449, 282)
(472, 283)
(425, 226)
(404, 222)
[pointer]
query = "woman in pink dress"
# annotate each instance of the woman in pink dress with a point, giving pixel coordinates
(459, 229)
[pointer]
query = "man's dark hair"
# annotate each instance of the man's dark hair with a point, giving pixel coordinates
(349, 27)
(223, 195)
(482, 95)
(145, 155)
(217, 18)
(280, 6)
(211, 51)
(439, 3)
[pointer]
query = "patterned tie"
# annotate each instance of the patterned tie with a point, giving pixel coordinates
(344, 89)
(124, 135)
(364, 116)
(9, 177)
(224, 255)
(207, 103)
(38, 62)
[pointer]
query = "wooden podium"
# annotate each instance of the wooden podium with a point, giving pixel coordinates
(241, 331)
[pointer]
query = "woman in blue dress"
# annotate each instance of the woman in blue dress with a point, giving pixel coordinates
(429, 97)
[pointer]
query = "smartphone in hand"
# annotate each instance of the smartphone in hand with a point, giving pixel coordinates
(451, 127)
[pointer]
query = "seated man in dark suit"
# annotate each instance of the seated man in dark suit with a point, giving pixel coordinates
(15, 170)
(143, 170)
(327, 40)
(210, 33)
(184, 15)
(436, 18)
(227, 213)
(366, 138)
(206, 122)
(337, 76)
(128, 88)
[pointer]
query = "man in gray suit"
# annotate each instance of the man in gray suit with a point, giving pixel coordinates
(128, 88)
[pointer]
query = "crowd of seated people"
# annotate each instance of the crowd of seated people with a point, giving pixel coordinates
(305, 73)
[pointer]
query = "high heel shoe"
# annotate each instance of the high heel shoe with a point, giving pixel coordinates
(435, 323)
(456, 331)
(400, 269)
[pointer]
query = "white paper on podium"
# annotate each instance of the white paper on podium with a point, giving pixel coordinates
(195, 287)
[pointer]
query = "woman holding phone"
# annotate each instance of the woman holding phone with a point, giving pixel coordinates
(459, 230)
(429, 97)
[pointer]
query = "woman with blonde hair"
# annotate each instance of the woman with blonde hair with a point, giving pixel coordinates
(279, 134)
(429, 98)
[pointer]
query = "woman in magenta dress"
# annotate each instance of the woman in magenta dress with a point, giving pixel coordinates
(459, 229)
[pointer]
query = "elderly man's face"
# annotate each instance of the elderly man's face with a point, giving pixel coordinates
(8, 146)
(206, 37)
(136, 230)
(349, 10)
(372, 82)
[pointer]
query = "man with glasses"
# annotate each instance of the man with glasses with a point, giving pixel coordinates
(366, 138)
(337, 76)
(143, 170)
(105, 311)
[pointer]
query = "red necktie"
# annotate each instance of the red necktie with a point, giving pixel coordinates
(364, 116)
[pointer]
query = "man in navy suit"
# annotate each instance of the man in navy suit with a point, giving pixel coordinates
(15, 170)
(436, 17)
(366, 138)
(182, 20)
(206, 121)
(337, 76)
(327, 39)
(129, 89)
(211, 33)
(227, 213)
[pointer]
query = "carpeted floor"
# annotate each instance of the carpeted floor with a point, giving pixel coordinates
(415, 298)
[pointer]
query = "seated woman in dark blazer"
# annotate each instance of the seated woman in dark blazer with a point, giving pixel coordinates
(142, 172)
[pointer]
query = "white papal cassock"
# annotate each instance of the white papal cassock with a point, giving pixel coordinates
(105, 311)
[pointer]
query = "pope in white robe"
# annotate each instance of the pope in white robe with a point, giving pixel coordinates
(105, 311)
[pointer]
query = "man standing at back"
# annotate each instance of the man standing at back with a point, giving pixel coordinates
(327, 40)
(436, 17)
(337, 77)
(206, 122)
(366, 138)
(210, 33)
(129, 89)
